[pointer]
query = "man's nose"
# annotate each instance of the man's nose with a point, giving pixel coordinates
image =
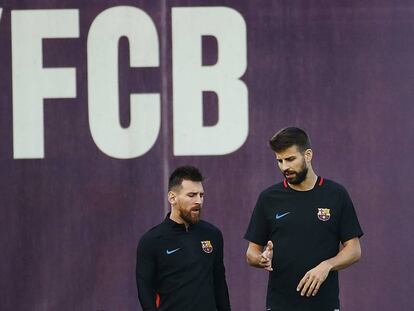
(199, 199)
(284, 166)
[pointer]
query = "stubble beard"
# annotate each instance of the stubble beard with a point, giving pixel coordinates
(190, 218)
(299, 176)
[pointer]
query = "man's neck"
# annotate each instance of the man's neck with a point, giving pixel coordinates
(307, 184)
(176, 218)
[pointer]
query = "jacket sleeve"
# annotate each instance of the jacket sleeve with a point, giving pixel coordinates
(146, 275)
(220, 285)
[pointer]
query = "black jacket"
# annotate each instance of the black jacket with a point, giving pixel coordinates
(182, 267)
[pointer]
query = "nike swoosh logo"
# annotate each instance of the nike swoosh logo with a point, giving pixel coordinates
(172, 251)
(281, 215)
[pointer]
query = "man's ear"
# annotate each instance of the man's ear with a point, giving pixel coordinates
(172, 197)
(308, 155)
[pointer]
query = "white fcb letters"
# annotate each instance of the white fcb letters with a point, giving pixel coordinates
(191, 79)
(103, 98)
(32, 83)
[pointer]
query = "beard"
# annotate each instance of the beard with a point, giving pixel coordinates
(298, 177)
(189, 217)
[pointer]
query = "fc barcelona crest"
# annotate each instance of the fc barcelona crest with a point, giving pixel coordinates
(324, 214)
(207, 247)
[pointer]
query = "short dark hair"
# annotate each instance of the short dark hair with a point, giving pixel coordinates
(184, 173)
(288, 137)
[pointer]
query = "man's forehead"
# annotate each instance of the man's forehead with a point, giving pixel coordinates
(292, 151)
(191, 186)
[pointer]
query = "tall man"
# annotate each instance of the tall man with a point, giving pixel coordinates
(296, 230)
(180, 261)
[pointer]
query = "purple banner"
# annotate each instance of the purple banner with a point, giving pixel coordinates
(101, 100)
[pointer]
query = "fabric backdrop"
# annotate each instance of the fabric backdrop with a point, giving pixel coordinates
(84, 162)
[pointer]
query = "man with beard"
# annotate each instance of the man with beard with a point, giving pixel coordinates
(180, 261)
(302, 221)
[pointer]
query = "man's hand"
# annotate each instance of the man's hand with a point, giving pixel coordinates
(266, 257)
(260, 256)
(313, 279)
